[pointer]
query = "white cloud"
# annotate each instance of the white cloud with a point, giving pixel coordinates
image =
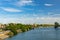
(48, 4)
(23, 2)
(11, 10)
(49, 20)
(53, 14)
(35, 15)
(40, 20)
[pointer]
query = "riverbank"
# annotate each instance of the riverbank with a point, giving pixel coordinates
(7, 34)
(12, 29)
(3, 34)
(38, 34)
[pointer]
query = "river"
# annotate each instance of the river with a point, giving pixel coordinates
(38, 34)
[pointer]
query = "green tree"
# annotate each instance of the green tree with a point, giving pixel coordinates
(56, 24)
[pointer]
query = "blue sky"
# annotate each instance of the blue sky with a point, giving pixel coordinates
(29, 11)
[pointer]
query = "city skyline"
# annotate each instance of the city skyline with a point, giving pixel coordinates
(29, 11)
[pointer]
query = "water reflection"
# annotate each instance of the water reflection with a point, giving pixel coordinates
(57, 34)
(39, 34)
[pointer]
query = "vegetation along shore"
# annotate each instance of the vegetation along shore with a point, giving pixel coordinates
(11, 29)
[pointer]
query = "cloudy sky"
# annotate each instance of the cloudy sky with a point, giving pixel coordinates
(29, 11)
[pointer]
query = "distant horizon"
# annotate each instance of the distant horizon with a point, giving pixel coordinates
(30, 23)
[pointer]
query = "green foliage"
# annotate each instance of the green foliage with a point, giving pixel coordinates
(14, 27)
(56, 24)
(10, 34)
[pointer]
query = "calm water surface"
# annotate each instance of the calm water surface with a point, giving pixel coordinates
(38, 34)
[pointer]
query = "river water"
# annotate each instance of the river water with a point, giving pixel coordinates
(38, 34)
